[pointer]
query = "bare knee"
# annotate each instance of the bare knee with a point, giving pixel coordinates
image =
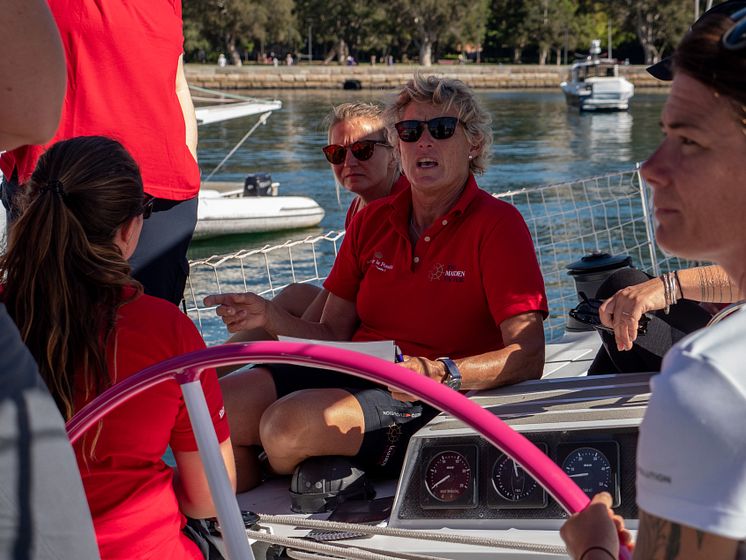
(309, 423)
(246, 395)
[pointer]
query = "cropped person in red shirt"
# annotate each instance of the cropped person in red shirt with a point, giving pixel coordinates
(443, 268)
(88, 325)
(125, 80)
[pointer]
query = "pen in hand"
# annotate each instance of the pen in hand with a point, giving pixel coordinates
(398, 356)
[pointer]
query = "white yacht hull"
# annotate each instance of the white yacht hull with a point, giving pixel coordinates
(599, 94)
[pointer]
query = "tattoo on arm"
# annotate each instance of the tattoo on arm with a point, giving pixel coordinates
(657, 538)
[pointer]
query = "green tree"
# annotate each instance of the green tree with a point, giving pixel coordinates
(434, 20)
(340, 25)
(509, 26)
(658, 24)
(226, 24)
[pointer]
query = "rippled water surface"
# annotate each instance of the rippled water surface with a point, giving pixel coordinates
(537, 141)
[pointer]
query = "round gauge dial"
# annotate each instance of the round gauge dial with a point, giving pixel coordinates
(510, 480)
(448, 476)
(590, 469)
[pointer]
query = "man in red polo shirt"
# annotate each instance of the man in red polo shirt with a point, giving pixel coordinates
(125, 80)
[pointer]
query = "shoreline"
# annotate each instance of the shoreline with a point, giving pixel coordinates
(333, 76)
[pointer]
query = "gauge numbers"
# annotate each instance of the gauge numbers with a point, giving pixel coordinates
(449, 478)
(514, 487)
(593, 467)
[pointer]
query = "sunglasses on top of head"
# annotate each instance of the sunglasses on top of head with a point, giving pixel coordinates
(147, 205)
(362, 150)
(440, 128)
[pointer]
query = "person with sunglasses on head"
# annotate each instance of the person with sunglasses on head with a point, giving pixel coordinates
(442, 268)
(691, 453)
(363, 162)
(67, 285)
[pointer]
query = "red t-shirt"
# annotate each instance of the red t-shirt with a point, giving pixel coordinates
(121, 74)
(129, 487)
(399, 185)
(471, 270)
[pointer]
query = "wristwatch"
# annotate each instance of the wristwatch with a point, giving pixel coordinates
(452, 377)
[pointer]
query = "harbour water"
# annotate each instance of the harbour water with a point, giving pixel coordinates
(537, 141)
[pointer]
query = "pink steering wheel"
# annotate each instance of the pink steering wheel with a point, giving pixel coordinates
(190, 366)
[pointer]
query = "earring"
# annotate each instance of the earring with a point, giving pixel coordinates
(471, 157)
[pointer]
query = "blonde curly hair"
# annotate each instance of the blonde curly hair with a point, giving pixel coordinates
(448, 93)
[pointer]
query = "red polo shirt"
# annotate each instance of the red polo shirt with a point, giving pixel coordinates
(471, 270)
(130, 489)
(121, 83)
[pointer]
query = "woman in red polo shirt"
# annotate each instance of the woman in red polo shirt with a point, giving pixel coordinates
(88, 325)
(443, 268)
(363, 163)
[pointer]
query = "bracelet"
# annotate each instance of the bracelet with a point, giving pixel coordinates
(678, 283)
(666, 297)
(587, 550)
(669, 290)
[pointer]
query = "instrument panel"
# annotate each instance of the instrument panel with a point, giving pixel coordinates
(468, 476)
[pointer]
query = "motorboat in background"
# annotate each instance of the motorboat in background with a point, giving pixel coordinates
(227, 208)
(594, 84)
(252, 206)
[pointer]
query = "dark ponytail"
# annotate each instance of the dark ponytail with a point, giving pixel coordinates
(64, 274)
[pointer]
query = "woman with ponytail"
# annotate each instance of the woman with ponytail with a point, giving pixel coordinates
(88, 324)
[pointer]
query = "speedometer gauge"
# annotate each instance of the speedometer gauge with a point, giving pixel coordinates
(590, 469)
(513, 487)
(448, 476)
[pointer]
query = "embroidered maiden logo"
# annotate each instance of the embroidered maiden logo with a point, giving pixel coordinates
(378, 262)
(449, 273)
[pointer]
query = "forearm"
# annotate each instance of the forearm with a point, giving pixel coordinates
(187, 108)
(282, 323)
(708, 284)
(512, 364)
(33, 62)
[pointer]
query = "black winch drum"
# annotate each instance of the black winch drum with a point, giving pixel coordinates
(589, 273)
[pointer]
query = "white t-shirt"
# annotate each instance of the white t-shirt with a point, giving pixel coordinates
(691, 455)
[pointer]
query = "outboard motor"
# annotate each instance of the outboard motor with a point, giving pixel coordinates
(257, 184)
(589, 273)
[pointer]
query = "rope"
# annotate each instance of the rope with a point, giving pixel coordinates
(335, 550)
(411, 534)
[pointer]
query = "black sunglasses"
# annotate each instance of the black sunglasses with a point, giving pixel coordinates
(362, 150)
(586, 312)
(147, 205)
(440, 128)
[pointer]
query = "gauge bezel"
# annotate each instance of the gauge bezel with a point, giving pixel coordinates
(537, 499)
(468, 499)
(608, 448)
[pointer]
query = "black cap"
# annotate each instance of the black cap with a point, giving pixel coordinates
(663, 70)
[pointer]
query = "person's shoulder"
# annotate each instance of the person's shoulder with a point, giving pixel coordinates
(154, 310)
(719, 346)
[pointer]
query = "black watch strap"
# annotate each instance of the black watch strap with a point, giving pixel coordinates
(453, 375)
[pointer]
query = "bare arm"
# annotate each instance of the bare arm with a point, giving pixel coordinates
(190, 481)
(521, 359)
(249, 311)
(187, 108)
(660, 539)
(623, 310)
(596, 529)
(33, 74)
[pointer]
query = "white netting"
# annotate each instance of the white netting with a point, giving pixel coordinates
(566, 221)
